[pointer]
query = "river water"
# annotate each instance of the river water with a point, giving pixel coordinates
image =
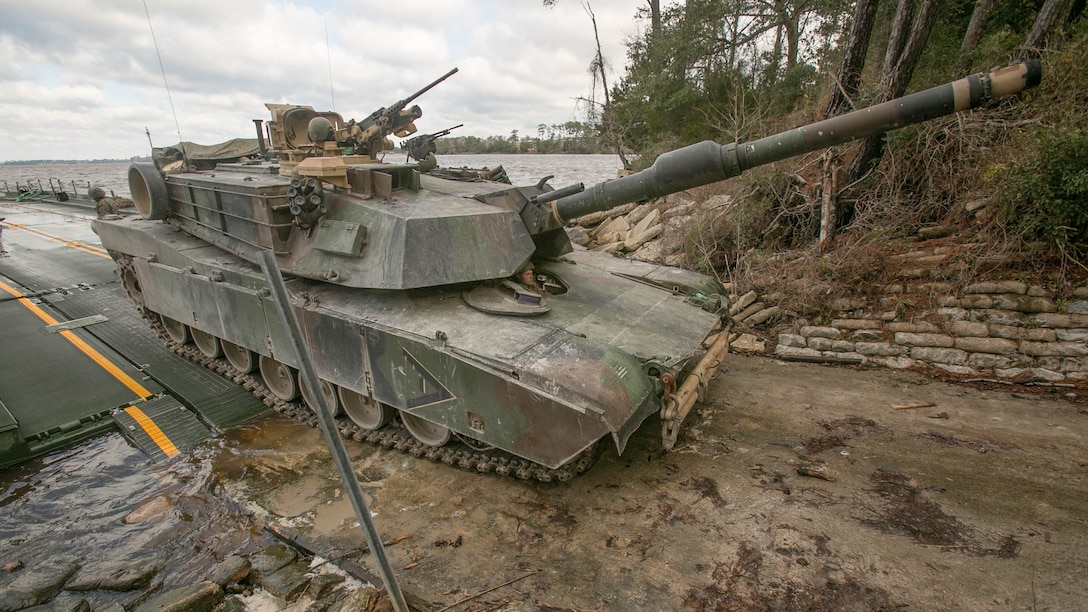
(523, 169)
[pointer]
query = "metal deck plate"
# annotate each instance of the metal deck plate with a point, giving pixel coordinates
(47, 382)
(40, 378)
(161, 427)
(218, 400)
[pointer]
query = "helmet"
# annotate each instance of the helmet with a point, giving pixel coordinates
(96, 193)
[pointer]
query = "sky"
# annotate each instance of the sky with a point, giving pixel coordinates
(82, 79)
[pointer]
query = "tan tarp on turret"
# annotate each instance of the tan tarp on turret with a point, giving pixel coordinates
(201, 155)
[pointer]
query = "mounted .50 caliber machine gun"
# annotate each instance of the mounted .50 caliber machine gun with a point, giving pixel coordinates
(419, 147)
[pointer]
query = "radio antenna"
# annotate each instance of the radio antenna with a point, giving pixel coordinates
(169, 97)
(328, 54)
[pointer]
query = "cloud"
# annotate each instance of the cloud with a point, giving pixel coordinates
(83, 80)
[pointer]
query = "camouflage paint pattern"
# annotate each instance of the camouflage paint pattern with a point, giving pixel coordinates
(380, 254)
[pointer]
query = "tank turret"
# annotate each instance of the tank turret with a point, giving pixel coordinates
(448, 315)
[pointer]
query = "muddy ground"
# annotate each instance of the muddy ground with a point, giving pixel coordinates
(795, 486)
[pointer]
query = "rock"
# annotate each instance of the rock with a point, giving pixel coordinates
(36, 584)
(749, 311)
(288, 582)
(909, 339)
(743, 302)
(636, 216)
(115, 574)
(968, 329)
(814, 331)
(747, 343)
(856, 324)
(791, 340)
(1062, 349)
(940, 231)
(156, 509)
(793, 351)
(868, 335)
(636, 238)
(68, 603)
(920, 327)
(578, 235)
(322, 584)
(613, 231)
(997, 346)
(880, 349)
(358, 600)
(938, 355)
(985, 361)
(200, 597)
(611, 247)
(234, 568)
(1012, 332)
(273, 558)
(997, 287)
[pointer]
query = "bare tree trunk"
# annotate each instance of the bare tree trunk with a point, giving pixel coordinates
(829, 191)
(655, 17)
(1052, 16)
(853, 58)
(895, 76)
(973, 34)
(898, 37)
(598, 66)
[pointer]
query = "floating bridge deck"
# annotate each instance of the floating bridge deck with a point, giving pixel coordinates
(77, 359)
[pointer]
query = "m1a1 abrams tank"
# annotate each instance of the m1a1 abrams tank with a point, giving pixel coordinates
(451, 318)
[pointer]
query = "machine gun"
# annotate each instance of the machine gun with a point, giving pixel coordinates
(369, 134)
(419, 147)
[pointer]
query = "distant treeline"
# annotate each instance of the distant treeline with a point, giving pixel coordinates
(569, 137)
(31, 162)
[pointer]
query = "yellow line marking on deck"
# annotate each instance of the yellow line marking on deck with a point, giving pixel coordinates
(80, 344)
(91, 249)
(157, 436)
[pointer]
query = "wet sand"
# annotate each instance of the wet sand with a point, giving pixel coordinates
(794, 485)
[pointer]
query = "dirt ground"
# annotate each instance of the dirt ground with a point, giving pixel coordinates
(794, 486)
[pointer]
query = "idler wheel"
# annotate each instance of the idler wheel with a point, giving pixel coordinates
(367, 413)
(279, 378)
(131, 282)
(207, 343)
(327, 389)
(239, 357)
(431, 434)
(177, 330)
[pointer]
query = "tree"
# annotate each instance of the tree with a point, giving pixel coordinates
(910, 31)
(974, 28)
(853, 57)
(1052, 16)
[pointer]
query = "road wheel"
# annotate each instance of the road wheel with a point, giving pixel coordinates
(279, 378)
(178, 331)
(365, 412)
(207, 343)
(327, 389)
(431, 434)
(239, 357)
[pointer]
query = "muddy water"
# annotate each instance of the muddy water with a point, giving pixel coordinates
(104, 502)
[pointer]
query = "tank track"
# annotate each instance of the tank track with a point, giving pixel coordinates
(393, 435)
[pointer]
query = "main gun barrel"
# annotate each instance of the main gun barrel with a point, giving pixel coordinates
(708, 162)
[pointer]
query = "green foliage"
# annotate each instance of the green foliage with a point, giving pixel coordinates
(1047, 196)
